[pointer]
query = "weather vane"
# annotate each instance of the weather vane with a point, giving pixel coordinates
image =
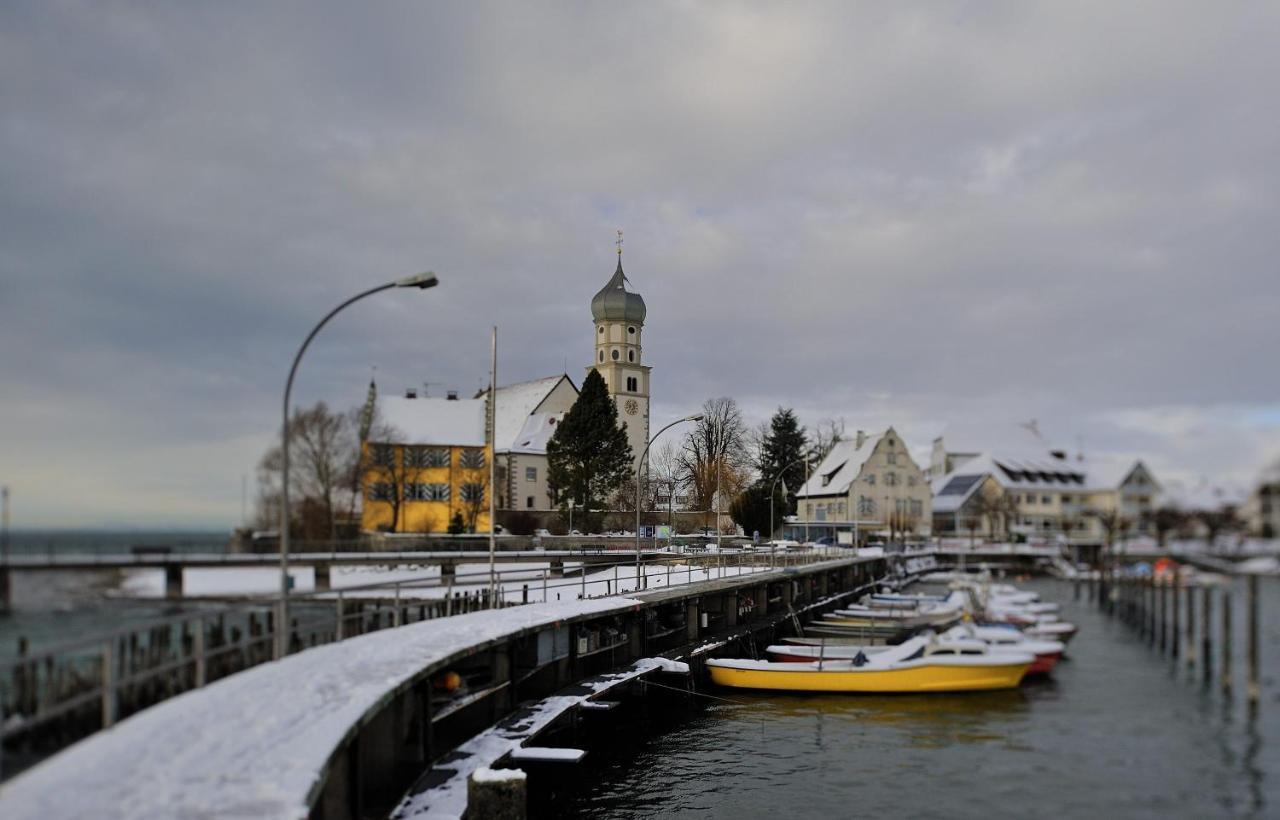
(619, 242)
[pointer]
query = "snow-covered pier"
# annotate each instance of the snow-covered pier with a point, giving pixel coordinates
(344, 729)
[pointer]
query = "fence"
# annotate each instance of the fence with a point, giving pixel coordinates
(54, 697)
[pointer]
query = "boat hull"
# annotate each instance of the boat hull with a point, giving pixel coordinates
(924, 678)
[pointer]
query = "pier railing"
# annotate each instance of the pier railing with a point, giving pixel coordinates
(56, 696)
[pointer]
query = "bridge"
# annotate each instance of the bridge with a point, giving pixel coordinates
(174, 563)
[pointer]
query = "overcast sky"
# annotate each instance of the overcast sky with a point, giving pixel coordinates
(948, 217)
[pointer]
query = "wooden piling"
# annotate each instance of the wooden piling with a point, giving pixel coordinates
(1226, 641)
(1151, 611)
(1253, 690)
(1191, 626)
(1206, 637)
(1176, 632)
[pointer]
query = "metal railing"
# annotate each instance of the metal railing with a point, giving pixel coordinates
(56, 696)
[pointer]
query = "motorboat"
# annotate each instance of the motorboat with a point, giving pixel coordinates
(921, 664)
(1047, 652)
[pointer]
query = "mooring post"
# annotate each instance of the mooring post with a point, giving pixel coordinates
(197, 649)
(1176, 636)
(108, 686)
(1253, 690)
(1226, 641)
(1164, 615)
(1206, 636)
(500, 794)
(337, 620)
(1191, 625)
(1151, 610)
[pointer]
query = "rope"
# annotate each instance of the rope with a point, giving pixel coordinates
(696, 694)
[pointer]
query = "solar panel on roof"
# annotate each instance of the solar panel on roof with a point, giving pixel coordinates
(960, 485)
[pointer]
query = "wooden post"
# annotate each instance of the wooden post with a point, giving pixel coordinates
(1191, 626)
(108, 686)
(1176, 636)
(1164, 615)
(1151, 610)
(499, 795)
(197, 649)
(1226, 641)
(338, 625)
(1206, 639)
(1253, 690)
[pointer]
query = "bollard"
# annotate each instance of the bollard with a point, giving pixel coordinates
(1226, 641)
(1253, 689)
(1206, 637)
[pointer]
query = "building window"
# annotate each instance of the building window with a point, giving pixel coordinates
(633, 384)
(472, 459)
(600, 330)
(917, 507)
(438, 457)
(436, 492)
(911, 481)
(615, 354)
(631, 331)
(866, 506)
(472, 491)
(528, 502)
(380, 491)
(415, 456)
(631, 355)
(1046, 499)
(530, 473)
(892, 458)
(871, 478)
(891, 479)
(602, 355)
(840, 508)
(384, 455)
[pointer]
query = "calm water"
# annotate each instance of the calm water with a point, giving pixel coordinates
(1118, 732)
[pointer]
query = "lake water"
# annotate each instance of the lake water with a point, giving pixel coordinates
(1118, 731)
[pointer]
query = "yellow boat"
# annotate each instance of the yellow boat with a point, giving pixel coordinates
(919, 665)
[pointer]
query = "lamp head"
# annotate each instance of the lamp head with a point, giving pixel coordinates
(422, 281)
(695, 417)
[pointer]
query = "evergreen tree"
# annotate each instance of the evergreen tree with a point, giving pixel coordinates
(750, 510)
(783, 447)
(588, 457)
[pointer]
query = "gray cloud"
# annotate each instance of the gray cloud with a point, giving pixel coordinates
(949, 219)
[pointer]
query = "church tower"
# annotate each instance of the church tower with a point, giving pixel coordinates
(619, 325)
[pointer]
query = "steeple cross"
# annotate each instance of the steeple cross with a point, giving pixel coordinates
(619, 242)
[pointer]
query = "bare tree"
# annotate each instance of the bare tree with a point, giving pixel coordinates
(715, 454)
(389, 471)
(474, 488)
(827, 433)
(323, 450)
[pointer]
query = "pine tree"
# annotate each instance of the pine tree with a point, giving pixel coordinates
(588, 457)
(783, 452)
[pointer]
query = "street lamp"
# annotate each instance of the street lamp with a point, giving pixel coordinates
(774, 486)
(639, 467)
(421, 281)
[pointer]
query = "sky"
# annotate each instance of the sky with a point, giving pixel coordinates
(948, 217)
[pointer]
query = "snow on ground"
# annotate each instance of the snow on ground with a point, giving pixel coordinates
(253, 744)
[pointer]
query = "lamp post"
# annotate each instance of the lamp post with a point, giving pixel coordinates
(639, 468)
(422, 281)
(774, 486)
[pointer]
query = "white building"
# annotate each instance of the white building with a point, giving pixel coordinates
(1261, 510)
(867, 483)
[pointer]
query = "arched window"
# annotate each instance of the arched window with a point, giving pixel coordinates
(600, 329)
(631, 355)
(602, 355)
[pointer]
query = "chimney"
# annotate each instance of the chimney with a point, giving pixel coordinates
(410, 393)
(859, 440)
(452, 395)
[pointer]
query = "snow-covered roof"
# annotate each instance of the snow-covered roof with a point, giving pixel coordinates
(516, 403)
(1201, 494)
(840, 468)
(452, 422)
(536, 432)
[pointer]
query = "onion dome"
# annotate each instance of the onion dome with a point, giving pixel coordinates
(614, 303)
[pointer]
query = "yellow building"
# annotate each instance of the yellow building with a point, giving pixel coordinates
(427, 461)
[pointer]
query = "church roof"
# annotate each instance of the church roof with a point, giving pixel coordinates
(614, 303)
